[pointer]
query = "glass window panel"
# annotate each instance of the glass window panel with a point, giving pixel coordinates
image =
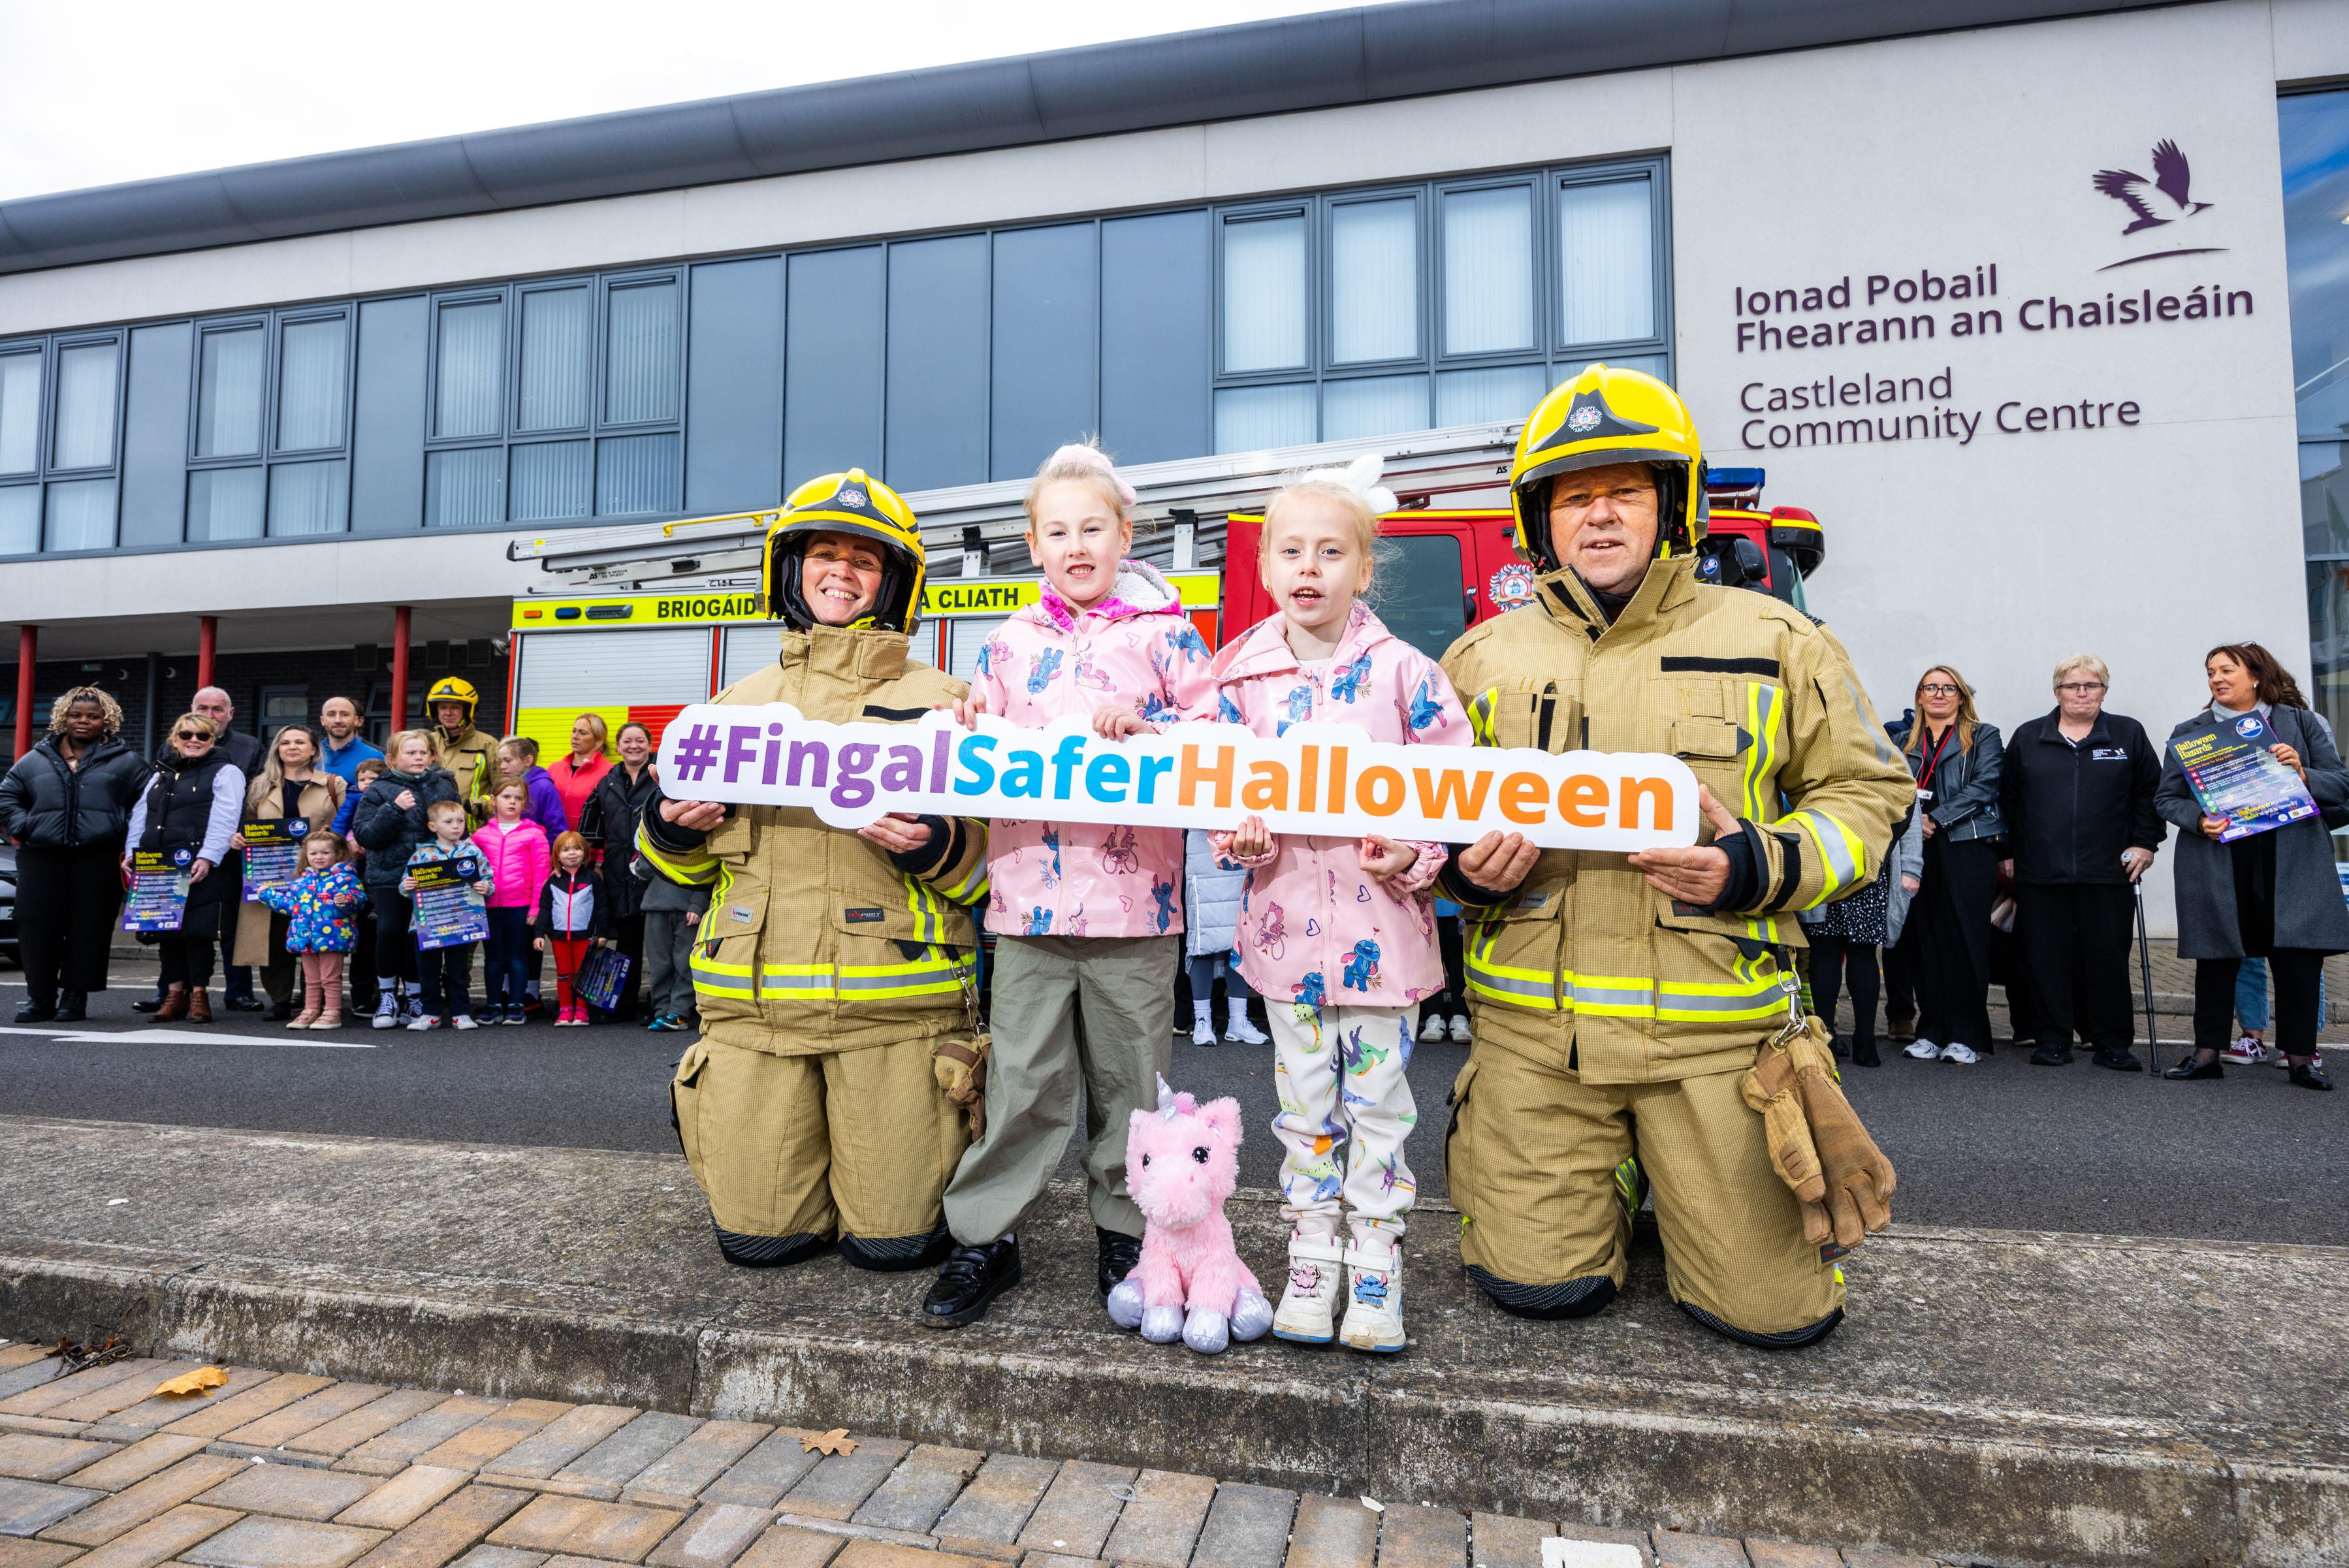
(2323, 498)
(1252, 418)
(556, 345)
(2314, 140)
(1373, 406)
(1488, 270)
(552, 479)
(84, 434)
(312, 386)
(636, 473)
(1417, 590)
(466, 389)
(1374, 281)
(20, 412)
(640, 355)
(309, 498)
(228, 394)
(81, 515)
(464, 489)
(224, 503)
(2328, 639)
(1606, 260)
(1486, 397)
(20, 519)
(1264, 293)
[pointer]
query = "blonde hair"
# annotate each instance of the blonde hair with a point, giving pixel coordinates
(523, 747)
(1966, 719)
(393, 747)
(441, 808)
(1082, 462)
(192, 717)
(273, 767)
(109, 708)
(599, 729)
(2087, 661)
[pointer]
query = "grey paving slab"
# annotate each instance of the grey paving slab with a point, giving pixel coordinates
(1248, 1527)
(920, 1489)
(838, 1486)
(760, 1478)
(28, 1508)
(994, 1508)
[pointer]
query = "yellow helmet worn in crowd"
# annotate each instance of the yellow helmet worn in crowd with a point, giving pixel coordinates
(1605, 416)
(851, 502)
(452, 689)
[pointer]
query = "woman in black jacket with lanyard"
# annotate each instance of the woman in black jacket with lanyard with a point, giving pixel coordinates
(67, 803)
(194, 802)
(608, 823)
(1957, 762)
(2275, 894)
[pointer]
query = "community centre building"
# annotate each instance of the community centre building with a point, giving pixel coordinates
(2041, 306)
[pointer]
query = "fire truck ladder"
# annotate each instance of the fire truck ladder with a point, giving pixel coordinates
(1180, 506)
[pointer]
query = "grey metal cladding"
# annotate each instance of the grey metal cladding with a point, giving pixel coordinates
(1285, 64)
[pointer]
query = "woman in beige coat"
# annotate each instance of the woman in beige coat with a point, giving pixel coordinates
(290, 784)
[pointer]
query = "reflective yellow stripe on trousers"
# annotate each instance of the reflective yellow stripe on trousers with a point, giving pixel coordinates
(1621, 996)
(937, 973)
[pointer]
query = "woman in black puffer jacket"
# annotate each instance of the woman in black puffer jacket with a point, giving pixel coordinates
(66, 802)
(389, 823)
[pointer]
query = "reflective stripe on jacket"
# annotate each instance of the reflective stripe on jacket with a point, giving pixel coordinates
(815, 939)
(1585, 964)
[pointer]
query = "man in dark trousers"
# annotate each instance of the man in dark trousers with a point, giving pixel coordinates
(2078, 799)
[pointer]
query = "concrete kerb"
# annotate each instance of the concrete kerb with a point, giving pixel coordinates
(2024, 1438)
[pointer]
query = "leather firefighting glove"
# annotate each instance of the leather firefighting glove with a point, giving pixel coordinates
(1817, 1142)
(960, 1070)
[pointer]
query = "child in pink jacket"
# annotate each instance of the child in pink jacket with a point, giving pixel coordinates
(1087, 918)
(1338, 934)
(520, 860)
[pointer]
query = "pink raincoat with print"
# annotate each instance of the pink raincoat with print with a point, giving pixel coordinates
(1314, 926)
(1135, 648)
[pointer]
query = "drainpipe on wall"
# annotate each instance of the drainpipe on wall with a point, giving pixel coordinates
(28, 647)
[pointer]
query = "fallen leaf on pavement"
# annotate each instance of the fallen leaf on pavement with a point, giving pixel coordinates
(203, 1380)
(836, 1441)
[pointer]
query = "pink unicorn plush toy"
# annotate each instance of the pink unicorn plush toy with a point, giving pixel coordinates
(1182, 1160)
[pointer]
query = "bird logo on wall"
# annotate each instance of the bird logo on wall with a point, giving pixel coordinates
(2172, 186)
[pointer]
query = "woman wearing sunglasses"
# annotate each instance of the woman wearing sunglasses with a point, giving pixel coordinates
(194, 801)
(1957, 762)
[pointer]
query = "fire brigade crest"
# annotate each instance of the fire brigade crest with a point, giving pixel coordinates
(1584, 419)
(1512, 587)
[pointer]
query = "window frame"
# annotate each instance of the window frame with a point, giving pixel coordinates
(1443, 357)
(269, 455)
(1301, 208)
(1659, 213)
(59, 347)
(37, 350)
(1331, 205)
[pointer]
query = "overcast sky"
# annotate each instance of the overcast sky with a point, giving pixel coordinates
(127, 89)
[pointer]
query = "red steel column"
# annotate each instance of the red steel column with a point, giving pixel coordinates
(28, 644)
(207, 645)
(399, 668)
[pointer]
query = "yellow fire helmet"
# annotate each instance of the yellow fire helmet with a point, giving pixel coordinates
(452, 689)
(1605, 416)
(851, 502)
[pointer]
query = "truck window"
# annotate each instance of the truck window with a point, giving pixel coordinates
(1418, 591)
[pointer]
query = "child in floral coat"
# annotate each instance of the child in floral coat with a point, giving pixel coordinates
(320, 907)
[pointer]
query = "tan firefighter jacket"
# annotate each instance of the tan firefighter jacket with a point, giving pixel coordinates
(816, 940)
(1585, 965)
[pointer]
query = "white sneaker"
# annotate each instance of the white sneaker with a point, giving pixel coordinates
(1202, 1032)
(424, 1021)
(1963, 1056)
(1924, 1050)
(1374, 1303)
(1238, 1028)
(1431, 1032)
(1308, 1306)
(1460, 1029)
(387, 1013)
(463, 1021)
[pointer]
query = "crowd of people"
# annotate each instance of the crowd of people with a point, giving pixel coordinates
(1637, 1019)
(558, 877)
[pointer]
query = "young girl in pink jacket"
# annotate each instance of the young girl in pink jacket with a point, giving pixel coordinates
(1087, 918)
(1338, 934)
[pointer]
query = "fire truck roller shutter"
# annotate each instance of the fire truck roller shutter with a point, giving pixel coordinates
(968, 635)
(646, 675)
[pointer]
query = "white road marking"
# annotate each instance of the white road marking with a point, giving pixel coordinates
(69, 1034)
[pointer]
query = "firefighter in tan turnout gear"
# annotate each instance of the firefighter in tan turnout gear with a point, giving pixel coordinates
(833, 971)
(1634, 1020)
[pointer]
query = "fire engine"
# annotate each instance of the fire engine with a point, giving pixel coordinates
(642, 619)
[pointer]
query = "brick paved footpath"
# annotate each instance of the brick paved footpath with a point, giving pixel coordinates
(288, 1470)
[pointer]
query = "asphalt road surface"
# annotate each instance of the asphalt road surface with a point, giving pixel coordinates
(2004, 1144)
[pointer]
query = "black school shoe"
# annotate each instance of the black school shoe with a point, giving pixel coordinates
(2051, 1056)
(2310, 1078)
(969, 1280)
(2119, 1058)
(73, 1007)
(2193, 1067)
(1120, 1253)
